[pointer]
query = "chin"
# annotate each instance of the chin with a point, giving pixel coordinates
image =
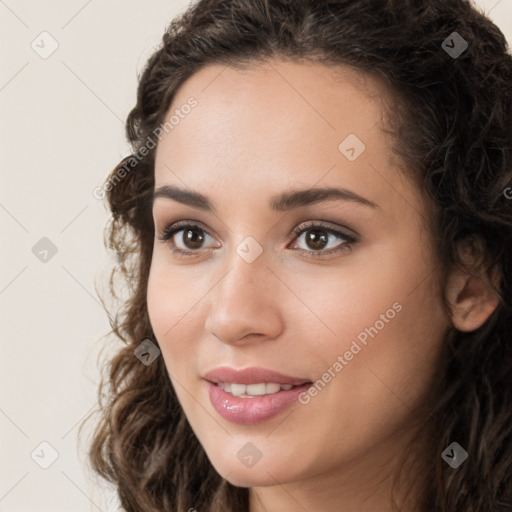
(248, 478)
(262, 474)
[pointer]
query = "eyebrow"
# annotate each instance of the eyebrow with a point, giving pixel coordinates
(280, 203)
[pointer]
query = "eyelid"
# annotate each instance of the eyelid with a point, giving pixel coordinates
(328, 226)
(338, 232)
(173, 227)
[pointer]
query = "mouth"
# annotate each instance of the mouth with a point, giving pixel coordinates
(247, 408)
(255, 390)
(254, 377)
(252, 395)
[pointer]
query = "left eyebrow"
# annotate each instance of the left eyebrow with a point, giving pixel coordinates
(282, 202)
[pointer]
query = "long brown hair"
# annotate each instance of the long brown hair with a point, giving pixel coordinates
(453, 131)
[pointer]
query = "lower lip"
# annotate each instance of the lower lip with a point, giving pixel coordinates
(247, 411)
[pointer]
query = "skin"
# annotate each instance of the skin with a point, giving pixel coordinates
(273, 128)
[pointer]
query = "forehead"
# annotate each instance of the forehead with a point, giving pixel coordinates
(273, 106)
(277, 125)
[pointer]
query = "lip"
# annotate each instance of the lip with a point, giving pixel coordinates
(248, 411)
(252, 375)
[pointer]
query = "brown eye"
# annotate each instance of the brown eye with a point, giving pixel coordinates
(192, 238)
(317, 238)
(189, 242)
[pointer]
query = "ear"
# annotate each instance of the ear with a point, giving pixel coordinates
(471, 297)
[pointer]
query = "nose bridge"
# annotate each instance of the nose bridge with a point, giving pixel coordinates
(247, 262)
(244, 302)
(246, 283)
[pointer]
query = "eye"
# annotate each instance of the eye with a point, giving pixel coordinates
(194, 236)
(318, 239)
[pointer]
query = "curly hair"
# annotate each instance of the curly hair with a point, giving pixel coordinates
(452, 127)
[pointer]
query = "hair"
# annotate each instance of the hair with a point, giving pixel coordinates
(452, 129)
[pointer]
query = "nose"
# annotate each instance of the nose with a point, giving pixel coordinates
(245, 304)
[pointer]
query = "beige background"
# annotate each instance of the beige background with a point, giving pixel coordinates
(62, 131)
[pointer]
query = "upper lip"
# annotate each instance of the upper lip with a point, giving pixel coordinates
(253, 375)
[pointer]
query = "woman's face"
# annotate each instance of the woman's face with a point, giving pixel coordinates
(362, 321)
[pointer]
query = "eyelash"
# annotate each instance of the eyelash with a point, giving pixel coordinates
(169, 231)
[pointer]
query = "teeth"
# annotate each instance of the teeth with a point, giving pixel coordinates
(246, 390)
(238, 389)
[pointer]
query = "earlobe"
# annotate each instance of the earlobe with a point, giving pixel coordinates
(472, 298)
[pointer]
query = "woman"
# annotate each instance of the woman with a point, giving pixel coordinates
(315, 225)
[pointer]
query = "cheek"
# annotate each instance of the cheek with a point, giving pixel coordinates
(157, 298)
(177, 307)
(381, 329)
(377, 369)
(172, 295)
